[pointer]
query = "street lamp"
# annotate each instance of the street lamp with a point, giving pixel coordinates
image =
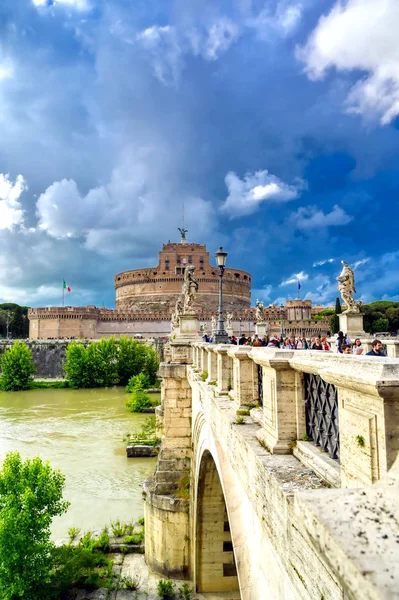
(220, 336)
(281, 321)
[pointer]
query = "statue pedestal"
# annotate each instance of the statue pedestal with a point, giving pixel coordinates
(188, 327)
(261, 329)
(352, 324)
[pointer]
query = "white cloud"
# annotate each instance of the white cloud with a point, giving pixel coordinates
(301, 276)
(166, 53)
(320, 263)
(358, 263)
(282, 21)
(360, 35)
(245, 195)
(81, 5)
(221, 35)
(11, 212)
(310, 217)
(6, 69)
(128, 213)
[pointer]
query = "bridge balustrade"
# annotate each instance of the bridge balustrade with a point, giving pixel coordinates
(338, 414)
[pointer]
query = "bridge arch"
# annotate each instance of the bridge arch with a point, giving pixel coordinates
(215, 564)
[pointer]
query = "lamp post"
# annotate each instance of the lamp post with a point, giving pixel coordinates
(220, 336)
(281, 321)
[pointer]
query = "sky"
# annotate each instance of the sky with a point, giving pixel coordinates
(275, 123)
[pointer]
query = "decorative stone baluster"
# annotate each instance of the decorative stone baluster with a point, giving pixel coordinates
(244, 387)
(279, 400)
(223, 369)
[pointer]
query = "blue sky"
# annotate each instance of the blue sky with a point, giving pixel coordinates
(275, 123)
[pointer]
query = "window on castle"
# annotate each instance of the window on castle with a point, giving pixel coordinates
(167, 266)
(190, 259)
(178, 260)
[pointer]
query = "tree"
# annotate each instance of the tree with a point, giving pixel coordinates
(381, 324)
(30, 496)
(17, 368)
(334, 321)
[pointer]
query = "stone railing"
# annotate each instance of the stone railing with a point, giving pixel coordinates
(338, 414)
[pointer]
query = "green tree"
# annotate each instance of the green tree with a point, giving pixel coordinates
(102, 362)
(131, 359)
(17, 368)
(30, 496)
(138, 400)
(76, 366)
(381, 324)
(151, 365)
(334, 321)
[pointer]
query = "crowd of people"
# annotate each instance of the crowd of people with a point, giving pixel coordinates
(344, 344)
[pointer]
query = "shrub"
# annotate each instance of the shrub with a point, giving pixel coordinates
(138, 400)
(185, 592)
(146, 435)
(166, 589)
(17, 368)
(78, 567)
(30, 496)
(140, 380)
(73, 533)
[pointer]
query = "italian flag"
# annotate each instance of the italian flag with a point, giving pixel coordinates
(66, 287)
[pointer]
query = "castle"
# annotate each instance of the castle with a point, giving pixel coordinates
(145, 299)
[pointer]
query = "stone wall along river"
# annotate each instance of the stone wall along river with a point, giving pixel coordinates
(80, 432)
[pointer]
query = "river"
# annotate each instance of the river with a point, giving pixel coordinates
(81, 433)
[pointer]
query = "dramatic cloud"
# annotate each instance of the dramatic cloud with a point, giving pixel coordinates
(107, 215)
(311, 217)
(320, 263)
(360, 35)
(301, 276)
(11, 212)
(245, 195)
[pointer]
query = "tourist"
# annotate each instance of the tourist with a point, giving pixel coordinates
(257, 342)
(376, 349)
(273, 343)
(358, 348)
(292, 343)
(317, 344)
(286, 344)
(325, 344)
(242, 340)
(340, 341)
(300, 344)
(348, 340)
(346, 349)
(265, 340)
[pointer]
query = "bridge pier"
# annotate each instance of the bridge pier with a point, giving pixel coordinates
(166, 493)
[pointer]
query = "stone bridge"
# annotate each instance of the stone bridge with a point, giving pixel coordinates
(274, 479)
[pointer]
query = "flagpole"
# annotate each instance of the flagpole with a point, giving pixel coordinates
(63, 292)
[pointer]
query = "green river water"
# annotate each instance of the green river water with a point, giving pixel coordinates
(80, 432)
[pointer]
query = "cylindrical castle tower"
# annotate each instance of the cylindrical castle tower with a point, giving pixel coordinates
(157, 289)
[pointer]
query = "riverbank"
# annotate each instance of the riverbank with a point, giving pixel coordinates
(133, 566)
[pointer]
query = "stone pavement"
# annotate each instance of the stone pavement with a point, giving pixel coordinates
(134, 566)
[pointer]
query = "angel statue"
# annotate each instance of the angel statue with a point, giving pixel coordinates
(346, 287)
(259, 311)
(214, 323)
(183, 234)
(190, 288)
(176, 314)
(229, 320)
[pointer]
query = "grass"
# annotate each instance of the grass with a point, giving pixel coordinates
(240, 421)
(49, 385)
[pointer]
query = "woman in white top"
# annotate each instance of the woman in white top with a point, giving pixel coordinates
(358, 348)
